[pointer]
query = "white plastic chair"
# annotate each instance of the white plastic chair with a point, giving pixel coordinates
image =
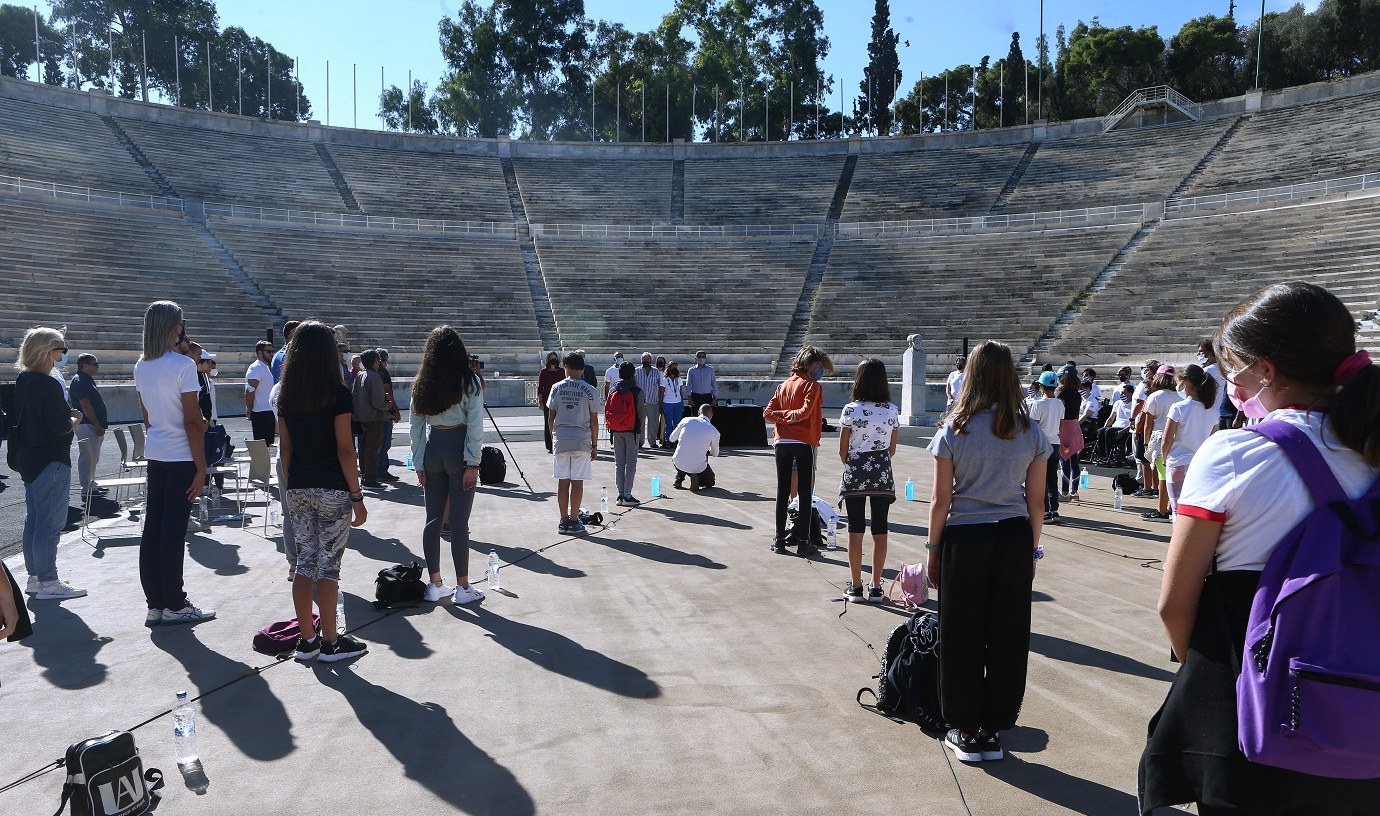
(261, 475)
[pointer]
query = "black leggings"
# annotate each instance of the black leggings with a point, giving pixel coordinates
(445, 468)
(803, 458)
(857, 509)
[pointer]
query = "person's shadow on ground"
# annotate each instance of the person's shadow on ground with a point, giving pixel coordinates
(432, 750)
(559, 654)
(660, 554)
(65, 646)
(247, 710)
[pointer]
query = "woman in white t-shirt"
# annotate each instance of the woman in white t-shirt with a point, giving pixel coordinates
(1154, 419)
(1191, 421)
(953, 384)
(868, 428)
(176, 452)
(1289, 353)
(673, 400)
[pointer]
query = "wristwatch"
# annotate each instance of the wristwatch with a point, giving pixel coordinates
(1039, 552)
(357, 497)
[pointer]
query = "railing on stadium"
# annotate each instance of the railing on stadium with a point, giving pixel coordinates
(67, 191)
(1157, 93)
(380, 222)
(1088, 216)
(1273, 196)
(658, 231)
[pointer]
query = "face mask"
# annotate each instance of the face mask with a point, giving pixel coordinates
(817, 373)
(699, 361)
(1202, 360)
(1183, 395)
(1145, 376)
(62, 361)
(1252, 408)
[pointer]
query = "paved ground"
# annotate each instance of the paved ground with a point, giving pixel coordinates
(667, 664)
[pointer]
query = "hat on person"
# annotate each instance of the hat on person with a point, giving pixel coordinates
(1165, 369)
(206, 355)
(1049, 379)
(1069, 368)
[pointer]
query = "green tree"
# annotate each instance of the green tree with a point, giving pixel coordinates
(17, 46)
(1102, 66)
(939, 103)
(1205, 57)
(412, 112)
(479, 94)
(881, 75)
(1294, 49)
(544, 44)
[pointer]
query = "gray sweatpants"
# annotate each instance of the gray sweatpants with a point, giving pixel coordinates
(445, 467)
(625, 460)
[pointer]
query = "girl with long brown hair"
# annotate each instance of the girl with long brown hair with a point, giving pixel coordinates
(985, 520)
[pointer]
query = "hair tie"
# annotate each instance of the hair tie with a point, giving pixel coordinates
(1350, 367)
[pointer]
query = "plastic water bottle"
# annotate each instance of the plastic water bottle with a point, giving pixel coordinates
(833, 542)
(215, 496)
(604, 500)
(1083, 478)
(184, 730)
(201, 513)
(656, 487)
(910, 489)
(1116, 497)
(492, 572)
(273, 512)
(410, 466)
(340, 625)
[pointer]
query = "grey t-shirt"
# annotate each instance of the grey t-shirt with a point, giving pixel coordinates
(989, 473)
(571, 403)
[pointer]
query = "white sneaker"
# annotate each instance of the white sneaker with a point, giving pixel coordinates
(469, 594)
(187, 614)
(154, 618)
(437, 592)
(58, 590)
(32, 587)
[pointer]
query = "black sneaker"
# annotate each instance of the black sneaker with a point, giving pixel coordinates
(989, 745)
(967, 750)
(874, 595)
(807, 551)
(779, 547)
(307, 649)
(1155, 515)
(342, 648)
(852, 593)
(564, 526)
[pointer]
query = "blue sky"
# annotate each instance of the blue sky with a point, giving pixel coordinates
(360, 35)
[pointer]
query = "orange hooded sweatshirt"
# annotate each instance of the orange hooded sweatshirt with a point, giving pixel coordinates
(796, 409)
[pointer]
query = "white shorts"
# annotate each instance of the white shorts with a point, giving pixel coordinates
(576, 465)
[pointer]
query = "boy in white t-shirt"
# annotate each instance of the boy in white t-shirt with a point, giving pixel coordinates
(1153, 420)
(574, 439)
(954, 382)
(1191, 421)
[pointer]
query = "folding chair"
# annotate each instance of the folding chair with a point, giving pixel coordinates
(261, 476)
(114, 484)
(127, 462)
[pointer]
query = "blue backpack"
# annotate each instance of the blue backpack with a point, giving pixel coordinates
(1308, 695)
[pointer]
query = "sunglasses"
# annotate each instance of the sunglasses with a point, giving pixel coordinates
(62, 349)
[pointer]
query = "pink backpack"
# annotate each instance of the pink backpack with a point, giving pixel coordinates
(913, 583)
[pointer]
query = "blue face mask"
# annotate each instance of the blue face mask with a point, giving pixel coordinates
(62, 361)
(1183, 395)
(817, 373)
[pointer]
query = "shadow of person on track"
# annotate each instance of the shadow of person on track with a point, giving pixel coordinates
(65, 646)
(559, 654)
(658, 553)
(248, 711)
(424, 739)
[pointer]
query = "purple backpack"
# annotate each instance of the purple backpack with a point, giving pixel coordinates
(281, 638)
(1308, 696)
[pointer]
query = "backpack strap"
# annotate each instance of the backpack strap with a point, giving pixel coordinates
(1309, 463)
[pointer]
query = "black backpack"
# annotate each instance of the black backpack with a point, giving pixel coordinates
(816, 529)
(908, 683)
(493, 468)
(105, 777)
(399, 584)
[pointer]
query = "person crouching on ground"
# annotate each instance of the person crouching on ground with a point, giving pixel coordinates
(323, 495)
(696, 440)
(575, 435)
(447, 440)
(868, 428)
(985, 520)
(796, 413)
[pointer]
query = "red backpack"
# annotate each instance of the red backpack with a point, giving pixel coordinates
(620, 412)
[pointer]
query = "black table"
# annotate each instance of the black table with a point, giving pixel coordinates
(740, 426)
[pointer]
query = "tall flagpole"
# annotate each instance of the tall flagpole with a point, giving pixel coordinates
(1040, 56)
(354, 92)
(1001, 95)
(177, 69)
(617, 110)
(210, 94)
(38, 51)
(144, 66)
(921, 86)
(268, 80)
(1027, 92)
(668, 111)
(239, 79)
(591, 107)
(644, 110)
(972, 118)
(766, 113)
(328, 93)
(694, 97)
(409, 100)
(1259, 43)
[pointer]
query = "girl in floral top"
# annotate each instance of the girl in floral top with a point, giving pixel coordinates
(867, 440)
